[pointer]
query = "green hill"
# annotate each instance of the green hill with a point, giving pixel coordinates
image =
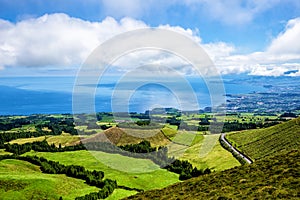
(124, 136)
(23, 180)
(260, 143)
(275, 177)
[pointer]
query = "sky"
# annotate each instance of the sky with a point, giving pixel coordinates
(54, 37)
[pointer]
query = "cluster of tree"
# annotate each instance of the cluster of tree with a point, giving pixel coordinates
(42, 146)
(140, 125)
(93, 178)
(8, 136)
(107, 189)
(58, 127)
(173, 121)
(185, 169)
(8, 124)
(143, 122)
(141, 116)
(237, 156)
(236, 126)
(92, 124)
(142, 147)
(288, 115)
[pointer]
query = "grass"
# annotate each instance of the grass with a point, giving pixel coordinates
(120, 193)
(3, 152)
(204, 151)
(28, 140)
(207, 152)
(184, 137)
(260, 143)
(169, 131)
(271, 178)
(123, 136)
(130, 172)
(154, 136)
(64, 139)
(23, 180)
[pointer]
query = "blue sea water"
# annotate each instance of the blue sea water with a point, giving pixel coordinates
(37, 95)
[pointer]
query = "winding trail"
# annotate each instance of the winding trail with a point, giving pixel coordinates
(248, 160)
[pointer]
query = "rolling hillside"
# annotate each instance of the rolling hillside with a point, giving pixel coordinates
(275, 177)
(260, 143)
(123, 136)
(23, 180)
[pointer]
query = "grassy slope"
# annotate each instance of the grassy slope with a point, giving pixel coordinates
(216, 158)
(123, 136)
(64, 139)
(202, 150)
(3, 152)
(23, 180)
(264, 142)
(28, 140)
(120, 193)
(271, 178)
(99, 161)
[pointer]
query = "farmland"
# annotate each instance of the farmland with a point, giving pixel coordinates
(130, 172)
(186, 135)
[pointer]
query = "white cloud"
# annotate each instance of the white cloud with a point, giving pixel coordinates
(56, 39)
(282, 55)
(288, 41)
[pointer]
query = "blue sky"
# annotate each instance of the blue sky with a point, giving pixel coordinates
(238, 35)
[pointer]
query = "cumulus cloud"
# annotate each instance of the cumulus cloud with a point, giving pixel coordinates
(281, 56)
(287, 42)
(58, 41)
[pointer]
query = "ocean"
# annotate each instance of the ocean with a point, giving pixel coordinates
(49, 95)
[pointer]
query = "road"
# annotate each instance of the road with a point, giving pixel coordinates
(235, 150)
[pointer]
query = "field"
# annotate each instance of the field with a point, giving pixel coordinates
(260, 143)
(272, 178)
(120, 193)
(130, 172)
(201, 148)
(64, 139)
(3, 152)
(205, 152)
(22, 180)
(203, 155)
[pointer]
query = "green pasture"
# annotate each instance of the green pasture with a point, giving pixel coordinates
(130, 172)
(23, 180)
